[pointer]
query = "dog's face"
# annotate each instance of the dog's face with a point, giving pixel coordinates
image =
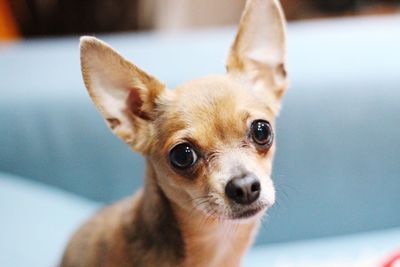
(210, 141)
(213, 147)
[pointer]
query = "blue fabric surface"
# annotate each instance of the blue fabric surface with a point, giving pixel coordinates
(38, 220)
(360, 250)
(338, 160)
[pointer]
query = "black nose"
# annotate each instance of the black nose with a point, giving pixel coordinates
(243, 190)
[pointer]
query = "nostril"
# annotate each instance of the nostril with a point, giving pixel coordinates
(255, 187)
(239, 192)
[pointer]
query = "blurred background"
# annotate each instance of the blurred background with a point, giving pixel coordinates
(40, 18)
(337, 167)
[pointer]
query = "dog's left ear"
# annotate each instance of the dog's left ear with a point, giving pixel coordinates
(258, 53)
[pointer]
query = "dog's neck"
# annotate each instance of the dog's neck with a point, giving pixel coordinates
(190, 236)
(212, 242)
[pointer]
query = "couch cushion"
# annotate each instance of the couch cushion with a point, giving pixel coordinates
(369, 249)
(36, 221)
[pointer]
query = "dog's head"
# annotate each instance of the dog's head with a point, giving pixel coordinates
(210, 141)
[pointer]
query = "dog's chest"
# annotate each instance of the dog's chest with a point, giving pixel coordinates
(224, 246)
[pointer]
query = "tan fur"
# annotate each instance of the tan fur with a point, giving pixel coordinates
(183, 218)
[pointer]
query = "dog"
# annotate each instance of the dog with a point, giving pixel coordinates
(208, 145)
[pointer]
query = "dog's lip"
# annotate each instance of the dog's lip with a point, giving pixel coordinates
(248, 213)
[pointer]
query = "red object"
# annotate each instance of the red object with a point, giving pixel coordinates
(392, 260)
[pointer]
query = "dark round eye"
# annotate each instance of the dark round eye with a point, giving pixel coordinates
(182, 156)
(261, 132)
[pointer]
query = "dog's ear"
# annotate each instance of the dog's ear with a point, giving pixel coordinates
(124, 94)
(258, 53)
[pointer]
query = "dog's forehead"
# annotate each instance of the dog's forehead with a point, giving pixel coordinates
(210, 110)
(204, 96)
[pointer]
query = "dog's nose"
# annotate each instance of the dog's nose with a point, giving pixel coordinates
(243, 190)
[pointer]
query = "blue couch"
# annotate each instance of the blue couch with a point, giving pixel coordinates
(337, 169)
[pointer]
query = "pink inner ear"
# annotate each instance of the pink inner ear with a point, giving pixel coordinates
(135, 104)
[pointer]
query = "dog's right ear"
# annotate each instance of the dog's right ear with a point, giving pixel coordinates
(124, 94)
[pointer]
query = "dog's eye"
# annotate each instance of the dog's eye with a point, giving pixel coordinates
(182, 156)
(261, 132)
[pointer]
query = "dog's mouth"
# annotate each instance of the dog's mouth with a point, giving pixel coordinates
(237, 213)
(213, 208)
(248, 212)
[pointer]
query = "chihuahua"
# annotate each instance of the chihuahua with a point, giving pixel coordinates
(208, 145)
